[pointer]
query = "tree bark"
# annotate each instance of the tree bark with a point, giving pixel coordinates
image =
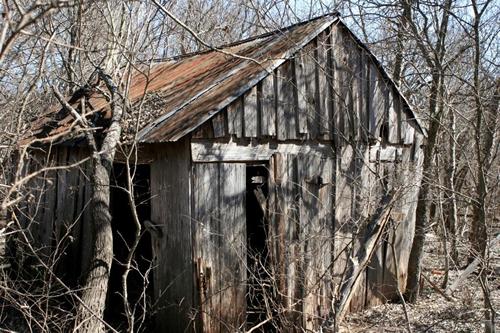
(422, 211)
(90, 314)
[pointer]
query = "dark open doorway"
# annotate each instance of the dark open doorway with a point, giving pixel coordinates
(257, 251)
(140, 288)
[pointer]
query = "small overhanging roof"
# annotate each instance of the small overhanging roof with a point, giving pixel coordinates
(181, 94)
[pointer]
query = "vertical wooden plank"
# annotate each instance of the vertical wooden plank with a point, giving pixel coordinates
(86, 229)
(351, 114)
(286, 115)
(308, 216)
(326, 235)
(344, 91)
(410, 134)
(324, 80)
(316, 237)
(364, 88)
(375, 268)
(219, 124)
(302, 102)
(279, 242)
(292, 246)
(397, 106)
(50, 194)
(250, 114)
(173, 257)
(358, 219)
(344, 225)
(268, 105)
(377, 107)
(338, 116)
(235, 118)
(72, 220)
(207, 241)
(357, 90)
(233, 253)
(62, 185)
(392, 116)
(307, 90)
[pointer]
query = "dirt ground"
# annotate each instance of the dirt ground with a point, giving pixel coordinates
(432, 312)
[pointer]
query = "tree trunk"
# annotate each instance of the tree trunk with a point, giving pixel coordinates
(451, 213)
(90, 312)
(422, 211)
(434, 59)
(90, 317)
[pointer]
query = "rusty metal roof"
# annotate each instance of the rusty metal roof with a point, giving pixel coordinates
(184, 92)
(210, 81)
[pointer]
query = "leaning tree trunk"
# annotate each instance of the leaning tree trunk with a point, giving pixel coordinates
(91, 310)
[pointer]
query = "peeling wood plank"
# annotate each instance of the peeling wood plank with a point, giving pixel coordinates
(207, 242)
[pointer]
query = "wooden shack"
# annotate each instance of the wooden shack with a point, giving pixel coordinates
(262, 165)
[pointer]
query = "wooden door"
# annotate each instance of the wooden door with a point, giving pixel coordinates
(220, 244)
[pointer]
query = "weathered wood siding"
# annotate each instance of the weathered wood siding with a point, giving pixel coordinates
(57, 211)
(337, 135)
(331, 90)
(219, 221)
(173, 257)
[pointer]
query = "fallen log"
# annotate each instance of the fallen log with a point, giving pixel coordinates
(470, 269)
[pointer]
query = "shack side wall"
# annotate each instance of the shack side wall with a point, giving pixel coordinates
(336, 135)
